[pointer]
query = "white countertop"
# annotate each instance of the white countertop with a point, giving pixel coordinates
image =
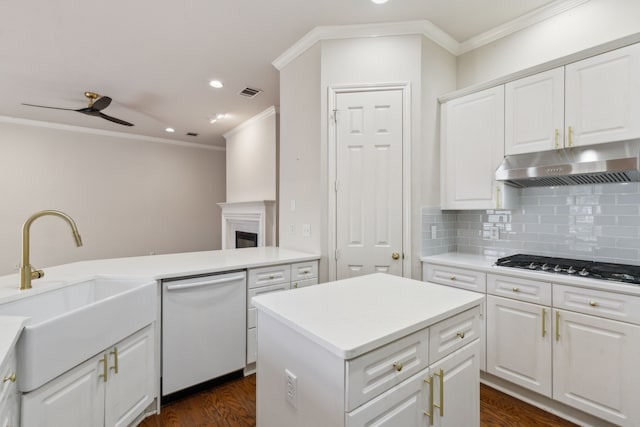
(153, 267)
(486, 264)
(352, 316)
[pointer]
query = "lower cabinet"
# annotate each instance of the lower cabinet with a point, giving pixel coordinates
(595, 366)
(9, 400)
(111, 389)
(519, 343)
(445, 394)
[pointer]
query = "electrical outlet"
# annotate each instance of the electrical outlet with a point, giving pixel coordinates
(306, 230)
(291, 392)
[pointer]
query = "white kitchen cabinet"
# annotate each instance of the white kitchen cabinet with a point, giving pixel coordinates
(111, 389)
(472, 147)
(595, 359)
(463, 278)
(534, 113)
(602, 98)
(9, 397)
(268, 279)
(519, 343)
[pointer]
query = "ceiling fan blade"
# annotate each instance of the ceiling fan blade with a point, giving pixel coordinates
(113, 119)
(45, 106)
(101, 103)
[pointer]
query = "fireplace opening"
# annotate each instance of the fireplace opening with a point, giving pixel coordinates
(246, 240)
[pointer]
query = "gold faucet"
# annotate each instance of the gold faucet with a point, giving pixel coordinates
(27, 272)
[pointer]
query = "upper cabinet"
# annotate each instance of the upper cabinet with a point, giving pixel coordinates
(603, 98)
(534, 113)
(472, 147)
(593, 101)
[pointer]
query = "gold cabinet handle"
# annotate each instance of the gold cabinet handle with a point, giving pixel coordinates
(557, 137)
(306, 271)
(544, 322)
(593, 303)
(452, 278)
(461, 335)
(557, 326)
(430, 412)
(295, 285)
(11, 378)
(115, 360)
(514, 289)
(441, 404)
(271, 277)
(105, 368)
(498, 201)
(570, 136)
(397, 366)
(395, 255)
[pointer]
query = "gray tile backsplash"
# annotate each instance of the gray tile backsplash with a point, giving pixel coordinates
(595, 222)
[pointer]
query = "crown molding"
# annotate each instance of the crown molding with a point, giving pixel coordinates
(101, 132)
(260, 116)
(520, 23)
(426, 28)
(333, 32)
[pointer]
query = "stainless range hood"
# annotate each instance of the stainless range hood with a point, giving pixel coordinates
(594, 164)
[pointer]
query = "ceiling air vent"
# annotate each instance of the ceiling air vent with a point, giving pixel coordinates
(192, 134)
(249, 92)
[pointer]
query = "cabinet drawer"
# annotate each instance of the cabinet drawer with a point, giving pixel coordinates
(599, 303)
(304, 270)
(303, 283)
(269, 275)
(451, 334)
(266, 290)
(377, 371)
(458, 277)
(520, 289)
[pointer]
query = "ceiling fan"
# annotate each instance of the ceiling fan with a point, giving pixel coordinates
(97, 103)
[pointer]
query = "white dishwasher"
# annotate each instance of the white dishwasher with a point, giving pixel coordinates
(203, 328)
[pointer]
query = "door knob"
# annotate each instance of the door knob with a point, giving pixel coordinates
(395, 255)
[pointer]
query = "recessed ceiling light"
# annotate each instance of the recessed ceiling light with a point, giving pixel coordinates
(216, 83)
(220, 116)
(170, 130)
(379, 1)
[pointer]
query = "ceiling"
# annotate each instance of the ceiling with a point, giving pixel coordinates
(156, 57)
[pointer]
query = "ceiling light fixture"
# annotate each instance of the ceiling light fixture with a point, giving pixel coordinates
(218, 116)
(379, 1)
(170, 130)
(216, 84)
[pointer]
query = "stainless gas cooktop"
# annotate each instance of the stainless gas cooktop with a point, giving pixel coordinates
(573, 267)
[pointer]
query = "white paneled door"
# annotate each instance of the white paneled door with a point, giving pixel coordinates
(369, 183)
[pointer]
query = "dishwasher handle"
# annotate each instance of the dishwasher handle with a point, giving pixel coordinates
(209, 282)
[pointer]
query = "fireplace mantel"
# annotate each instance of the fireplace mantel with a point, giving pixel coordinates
(253, 217)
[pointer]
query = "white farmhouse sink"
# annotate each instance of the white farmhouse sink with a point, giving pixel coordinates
(71, 324)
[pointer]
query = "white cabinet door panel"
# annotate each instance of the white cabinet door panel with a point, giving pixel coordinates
(534, 113)
(603, 97)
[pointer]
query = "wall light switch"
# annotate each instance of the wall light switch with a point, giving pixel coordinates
(306, 230)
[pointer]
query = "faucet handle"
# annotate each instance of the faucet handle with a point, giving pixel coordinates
(36, 274)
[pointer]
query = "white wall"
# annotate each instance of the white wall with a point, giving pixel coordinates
(127, 196)
(251, 159)
(593, 23)
(300, 176)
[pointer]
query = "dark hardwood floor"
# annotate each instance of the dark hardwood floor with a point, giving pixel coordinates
(233, 404)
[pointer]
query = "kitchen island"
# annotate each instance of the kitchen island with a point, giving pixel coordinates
(373, 348)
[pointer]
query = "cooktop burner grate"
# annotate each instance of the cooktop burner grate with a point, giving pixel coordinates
(589, 269)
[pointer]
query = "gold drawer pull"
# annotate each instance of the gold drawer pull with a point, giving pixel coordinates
(11, 378)
(557, 326)
(570, 136)
(441, 405)
(593, 303)
(557, 135)
(295, 285)
(305, 271)
(544, 322)
(271, 276)
(460, 334)
(515, 289)
(430, 413)
(452, 278)
(397, 366)
(105, 368)
(115, 360)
